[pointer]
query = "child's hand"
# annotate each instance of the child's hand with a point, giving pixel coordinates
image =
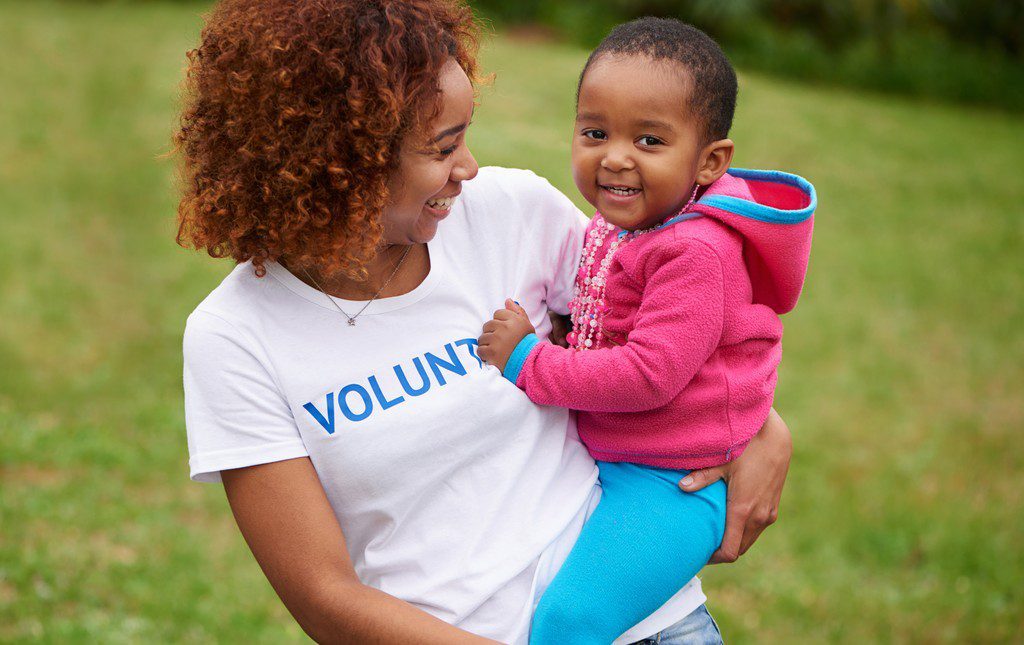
(501, 335)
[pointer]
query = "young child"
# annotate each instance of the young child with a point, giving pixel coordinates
(676, 336)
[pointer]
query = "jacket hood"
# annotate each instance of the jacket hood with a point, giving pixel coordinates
(774, 212)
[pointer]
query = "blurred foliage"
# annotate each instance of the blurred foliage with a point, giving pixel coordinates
(965, 50)
(969, 51)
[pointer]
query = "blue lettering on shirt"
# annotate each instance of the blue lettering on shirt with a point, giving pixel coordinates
(356, 403)
(470, 344)
(343, 402)
(400, 373)
(454, 365)
(327, 423)
(384, 403)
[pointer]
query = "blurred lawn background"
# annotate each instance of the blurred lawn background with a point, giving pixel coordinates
(902, 380)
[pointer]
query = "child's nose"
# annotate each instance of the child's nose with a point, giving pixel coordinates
(617, 159)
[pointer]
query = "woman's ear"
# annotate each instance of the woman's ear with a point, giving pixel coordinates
(714, 161)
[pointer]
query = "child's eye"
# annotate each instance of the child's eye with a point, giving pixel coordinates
(648, 140)
(597, 135)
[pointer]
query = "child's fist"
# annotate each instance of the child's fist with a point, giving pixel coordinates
(501, 335)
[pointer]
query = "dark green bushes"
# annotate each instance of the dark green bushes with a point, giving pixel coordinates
(962, 50)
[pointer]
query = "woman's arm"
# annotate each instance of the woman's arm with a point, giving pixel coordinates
(755, 479)
(284, 515)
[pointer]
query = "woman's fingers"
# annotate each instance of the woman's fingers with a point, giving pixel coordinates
(732, 541)
(743, 526)
(490, 326)
(756, 479)
(756, 524)
(699, 479)
(560, 327)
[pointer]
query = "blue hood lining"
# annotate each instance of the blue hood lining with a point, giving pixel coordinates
(760, 212)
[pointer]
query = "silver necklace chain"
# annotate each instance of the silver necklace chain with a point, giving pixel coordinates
(352, 319)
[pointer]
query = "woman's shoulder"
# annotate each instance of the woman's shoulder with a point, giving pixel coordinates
(504, 179)
(512, 187)
(236, 301)
(520, 196)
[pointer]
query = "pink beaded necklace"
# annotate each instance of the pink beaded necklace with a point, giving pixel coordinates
(587, 307)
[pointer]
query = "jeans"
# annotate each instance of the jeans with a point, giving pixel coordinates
(699, 628)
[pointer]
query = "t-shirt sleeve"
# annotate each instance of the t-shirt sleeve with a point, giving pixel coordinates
(235, 414)
(568, 248)
(560, 227)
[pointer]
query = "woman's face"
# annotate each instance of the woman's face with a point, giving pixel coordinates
(432, 165)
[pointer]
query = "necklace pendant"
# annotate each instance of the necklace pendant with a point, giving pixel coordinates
(351, 322)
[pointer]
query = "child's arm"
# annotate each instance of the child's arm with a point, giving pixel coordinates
(678, 326)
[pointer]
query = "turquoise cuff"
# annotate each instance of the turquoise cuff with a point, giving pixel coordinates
(518, 357)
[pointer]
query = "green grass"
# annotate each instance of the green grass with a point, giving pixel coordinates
(902, 378)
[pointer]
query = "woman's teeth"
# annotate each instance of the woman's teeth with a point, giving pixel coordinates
(442, 204)
(625, 192)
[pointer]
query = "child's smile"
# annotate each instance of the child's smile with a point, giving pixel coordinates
(636, 147)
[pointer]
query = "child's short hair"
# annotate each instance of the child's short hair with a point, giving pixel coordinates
(713, 99)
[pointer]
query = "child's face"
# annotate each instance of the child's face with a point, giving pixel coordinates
(636, 146)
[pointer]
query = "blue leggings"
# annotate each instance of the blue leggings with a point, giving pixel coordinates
(644, 541)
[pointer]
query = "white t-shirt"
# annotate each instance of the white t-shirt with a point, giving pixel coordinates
(454, 491)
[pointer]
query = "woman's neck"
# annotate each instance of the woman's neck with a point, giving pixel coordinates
(394, 271)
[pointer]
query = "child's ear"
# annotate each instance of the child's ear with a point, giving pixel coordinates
(714, 161)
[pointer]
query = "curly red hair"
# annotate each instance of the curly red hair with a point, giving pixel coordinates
(294, 115)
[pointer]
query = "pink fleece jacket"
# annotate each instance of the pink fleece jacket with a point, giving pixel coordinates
(687, 371)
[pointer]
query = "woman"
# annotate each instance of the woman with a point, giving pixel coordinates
(392, 486)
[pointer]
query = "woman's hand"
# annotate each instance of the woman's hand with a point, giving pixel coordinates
(755, 482)
(560, 328)
(501, 334)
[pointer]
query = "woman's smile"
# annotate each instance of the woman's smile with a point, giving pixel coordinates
(440, 207)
